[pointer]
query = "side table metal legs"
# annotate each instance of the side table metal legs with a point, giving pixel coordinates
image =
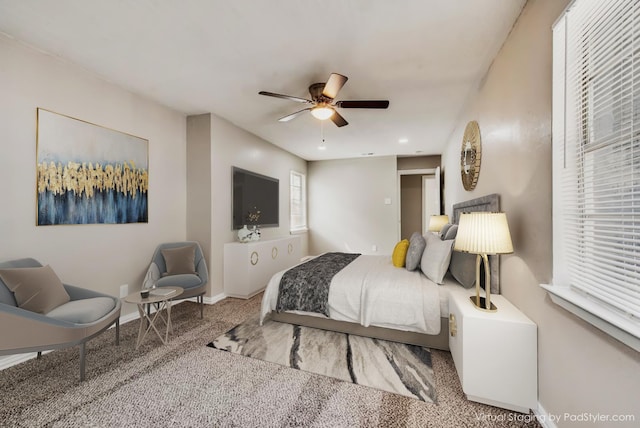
(149, 321)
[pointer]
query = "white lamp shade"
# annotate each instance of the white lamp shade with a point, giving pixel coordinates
(483, 233)
(322, 113)
(437, 221)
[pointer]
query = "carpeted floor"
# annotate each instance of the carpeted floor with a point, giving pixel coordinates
(186, 384)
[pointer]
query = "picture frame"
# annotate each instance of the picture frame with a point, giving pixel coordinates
(89, 174)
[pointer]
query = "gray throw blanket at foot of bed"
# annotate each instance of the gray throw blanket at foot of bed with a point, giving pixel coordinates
(306, 287)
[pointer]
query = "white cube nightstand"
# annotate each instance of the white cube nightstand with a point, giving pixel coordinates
(495, 353)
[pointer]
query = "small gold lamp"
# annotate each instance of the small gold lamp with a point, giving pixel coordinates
(437, 221)
(483, 233)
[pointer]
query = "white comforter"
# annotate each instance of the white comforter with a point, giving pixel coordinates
(372, 292)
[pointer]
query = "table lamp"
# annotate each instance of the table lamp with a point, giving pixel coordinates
(483, 233)
(437, 221)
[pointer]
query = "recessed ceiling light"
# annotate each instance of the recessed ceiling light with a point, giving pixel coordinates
(403, 140)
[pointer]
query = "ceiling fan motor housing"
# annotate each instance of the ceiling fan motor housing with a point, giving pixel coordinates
(316, 92)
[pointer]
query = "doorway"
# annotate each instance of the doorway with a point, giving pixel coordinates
(419, 198)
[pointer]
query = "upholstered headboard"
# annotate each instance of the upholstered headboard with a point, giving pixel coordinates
(489, 203)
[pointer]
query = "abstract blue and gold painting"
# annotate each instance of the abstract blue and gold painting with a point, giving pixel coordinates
(89, 174)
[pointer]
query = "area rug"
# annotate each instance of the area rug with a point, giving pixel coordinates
(389, 366)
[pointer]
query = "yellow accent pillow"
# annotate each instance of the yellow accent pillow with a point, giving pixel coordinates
(399, 255)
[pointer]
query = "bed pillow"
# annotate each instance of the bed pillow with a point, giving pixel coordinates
(180, 260)
(36, 289)
(451, 233)
(463, 268)
(399, 256)
(444, 230)
(417, 245)
(435, 259)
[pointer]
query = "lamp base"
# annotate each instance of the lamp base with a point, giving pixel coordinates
(483, 304)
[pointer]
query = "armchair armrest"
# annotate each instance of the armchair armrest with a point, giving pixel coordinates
(14, 311)
(26, 330)
(202, 270)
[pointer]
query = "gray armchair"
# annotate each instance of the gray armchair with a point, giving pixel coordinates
(193, 278)
(85, 316)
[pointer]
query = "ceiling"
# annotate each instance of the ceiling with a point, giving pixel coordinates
(199, 56)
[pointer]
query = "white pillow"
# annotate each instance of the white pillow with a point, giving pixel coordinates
(435, 258)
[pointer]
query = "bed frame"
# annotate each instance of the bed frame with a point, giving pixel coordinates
(440, 341)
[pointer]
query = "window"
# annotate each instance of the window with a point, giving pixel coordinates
(298, 202)
(596, 165)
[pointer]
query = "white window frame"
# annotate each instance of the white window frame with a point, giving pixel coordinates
(574, 126)
(302, 225)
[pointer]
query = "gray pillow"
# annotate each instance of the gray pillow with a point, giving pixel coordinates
(180, 260)
(414, 235)
(36, 289)
(435, 259)
(444, 230)
(417, 245)
(463, 268)
(451, 233)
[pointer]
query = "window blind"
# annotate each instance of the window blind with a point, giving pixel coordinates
(596, 153)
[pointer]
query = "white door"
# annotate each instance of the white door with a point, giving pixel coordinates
(430, 198)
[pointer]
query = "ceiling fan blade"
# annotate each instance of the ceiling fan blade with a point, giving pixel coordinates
(333, 85)
(363, 104)
(338, 120)
(288, 117)
(286, 97)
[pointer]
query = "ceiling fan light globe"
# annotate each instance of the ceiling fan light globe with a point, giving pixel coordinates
(322, 113)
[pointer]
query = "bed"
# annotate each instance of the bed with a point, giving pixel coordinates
(370, 297)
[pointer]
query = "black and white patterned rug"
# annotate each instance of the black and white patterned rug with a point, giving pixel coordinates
(389, 366)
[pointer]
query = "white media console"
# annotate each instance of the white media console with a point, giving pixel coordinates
(249, 266)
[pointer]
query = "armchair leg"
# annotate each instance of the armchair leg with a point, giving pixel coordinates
(118, 332)
(201, 297)
(39, 355)
(82, 360)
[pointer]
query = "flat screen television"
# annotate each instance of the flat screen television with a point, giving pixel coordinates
(256, 199)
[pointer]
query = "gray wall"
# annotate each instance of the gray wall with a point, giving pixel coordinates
(214, 146)
(99, 257)
(347, 210)
(419, 162)
(199, 181)
(580, 368)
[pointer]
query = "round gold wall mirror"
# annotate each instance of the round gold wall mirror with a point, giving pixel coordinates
(470, 156)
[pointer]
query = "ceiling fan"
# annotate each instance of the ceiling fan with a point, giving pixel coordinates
(323, 100)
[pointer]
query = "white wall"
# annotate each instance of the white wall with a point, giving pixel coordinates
(232, 146)
(99, 257)
(346, 205)
(580, 369)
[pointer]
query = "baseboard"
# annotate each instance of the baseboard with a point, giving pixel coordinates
(11, 360)
(544, 418)
(210, 300)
